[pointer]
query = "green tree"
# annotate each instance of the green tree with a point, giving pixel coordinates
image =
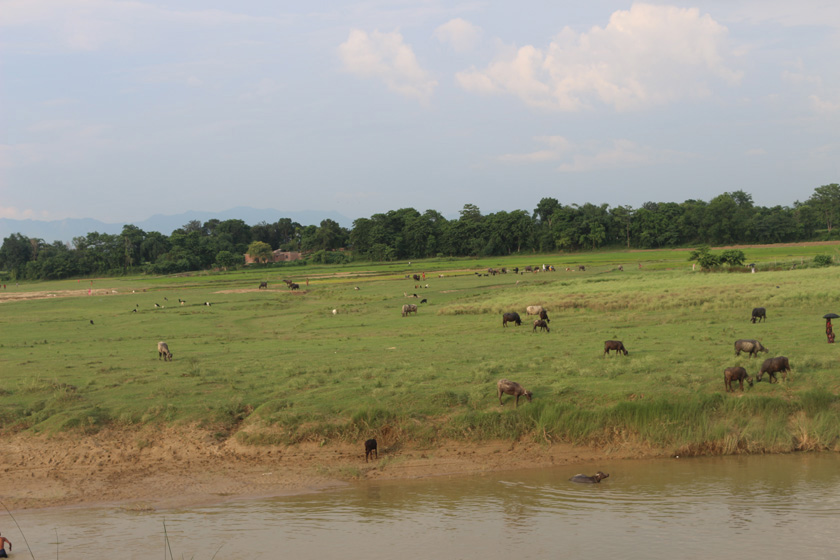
(826, 200)
(259, 251)
(226, 259)
(15, 253)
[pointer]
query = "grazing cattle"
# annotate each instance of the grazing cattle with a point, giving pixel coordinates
(621, 268)
(616, 345)
(504, 270)
(582, 268)
(516, 270)
(163, 351)
(511, 318)
(533, 309)
(424, 300)
(529, 268)
(595, 479)
(492, 271)
(738, 374)
(753, 347)
(772, 366)
(409, 308)
(512, 388)
(181, 301)
(544, 316)
(294, 286)
(207, 303)
(759, 313)
(335, 311)
(416, 277)
(370, 448)
(263, 285)
(543, 326)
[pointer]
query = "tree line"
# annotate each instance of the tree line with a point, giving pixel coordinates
(729, 218)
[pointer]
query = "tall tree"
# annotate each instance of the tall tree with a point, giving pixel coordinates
(826, 200)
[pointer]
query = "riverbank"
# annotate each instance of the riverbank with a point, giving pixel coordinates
(151, 470)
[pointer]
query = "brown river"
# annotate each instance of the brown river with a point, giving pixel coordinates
(706, 508)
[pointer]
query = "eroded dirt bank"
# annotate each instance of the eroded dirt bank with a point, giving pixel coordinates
(158, 470)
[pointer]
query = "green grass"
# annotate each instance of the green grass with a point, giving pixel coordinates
(275, 367)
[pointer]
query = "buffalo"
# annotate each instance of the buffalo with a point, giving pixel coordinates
(542, 325)
(616, 345)
(371, 449)
(409, 308)
(738, 374)
(752, 347)
(163, 351)
(759, 313)
(772, 366)
(512, 388)
(511, 318)
(596, 478)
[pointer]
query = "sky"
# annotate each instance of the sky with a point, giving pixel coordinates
(119, 110)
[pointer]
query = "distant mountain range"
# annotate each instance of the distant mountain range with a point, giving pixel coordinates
(66, 230)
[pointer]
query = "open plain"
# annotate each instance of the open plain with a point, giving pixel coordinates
(271, 392)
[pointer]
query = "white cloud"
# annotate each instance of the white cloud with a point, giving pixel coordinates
(576, 158)
(823, 106)
(646, 56)
(461, 34)
(385, 56)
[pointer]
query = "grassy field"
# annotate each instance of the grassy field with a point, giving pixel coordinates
(273, 366)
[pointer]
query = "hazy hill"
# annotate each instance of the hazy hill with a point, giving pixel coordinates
(66, 230)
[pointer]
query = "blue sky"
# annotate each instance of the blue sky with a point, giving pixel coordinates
(118, 110)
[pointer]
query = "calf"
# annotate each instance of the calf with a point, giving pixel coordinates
(163, 351)
(512, 388)
(616, 345)
(542, 325)
(370, 448)
(738, 374)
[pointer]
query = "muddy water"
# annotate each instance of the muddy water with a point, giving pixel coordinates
(718, 508)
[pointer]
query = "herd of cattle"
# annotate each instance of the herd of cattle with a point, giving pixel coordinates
(770, 366)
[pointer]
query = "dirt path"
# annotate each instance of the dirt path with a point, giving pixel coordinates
(159, 470)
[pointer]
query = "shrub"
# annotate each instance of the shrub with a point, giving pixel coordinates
(822, 260)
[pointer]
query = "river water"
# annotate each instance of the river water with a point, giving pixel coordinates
(706, 508)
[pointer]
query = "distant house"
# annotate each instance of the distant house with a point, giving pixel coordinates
(279, 256)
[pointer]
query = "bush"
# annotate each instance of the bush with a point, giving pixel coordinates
(822, 260)
(733, 257)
